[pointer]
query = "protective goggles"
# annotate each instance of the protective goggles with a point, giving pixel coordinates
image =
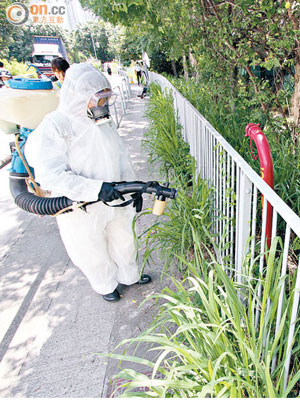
(99, 99)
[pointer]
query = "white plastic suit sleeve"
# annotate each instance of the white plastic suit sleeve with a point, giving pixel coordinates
(46, 151)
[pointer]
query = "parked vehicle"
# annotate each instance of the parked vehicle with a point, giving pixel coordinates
(45, 49)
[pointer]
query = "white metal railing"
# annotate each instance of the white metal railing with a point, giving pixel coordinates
(126, 81)
(121, 86)
(238, 191)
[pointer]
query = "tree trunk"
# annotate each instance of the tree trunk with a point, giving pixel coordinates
(194, 64)
(185, 68)
(174, 68)
(296, 104)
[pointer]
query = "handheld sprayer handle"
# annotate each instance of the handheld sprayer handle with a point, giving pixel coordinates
(161, 192)
(145, 187)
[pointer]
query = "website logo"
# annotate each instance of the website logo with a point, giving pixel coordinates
(17, 13)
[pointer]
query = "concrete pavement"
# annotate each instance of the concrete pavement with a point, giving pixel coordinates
(5, 155)
(52, 323)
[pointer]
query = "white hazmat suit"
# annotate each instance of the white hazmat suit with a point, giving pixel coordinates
(72, 156)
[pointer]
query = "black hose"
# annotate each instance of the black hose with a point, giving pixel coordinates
(35, 204)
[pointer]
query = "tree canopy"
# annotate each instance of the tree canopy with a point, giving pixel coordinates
(5, 29)
(98, 40)
(259, 37)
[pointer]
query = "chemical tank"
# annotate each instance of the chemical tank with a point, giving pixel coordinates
(26, 102)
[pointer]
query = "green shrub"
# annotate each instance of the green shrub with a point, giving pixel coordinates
(171, 236)
(207, 339)
(163, 140)
(18, 68)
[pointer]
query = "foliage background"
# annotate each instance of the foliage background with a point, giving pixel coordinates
(260, 39)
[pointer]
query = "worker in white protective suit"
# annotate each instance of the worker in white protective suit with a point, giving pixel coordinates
(76, 152)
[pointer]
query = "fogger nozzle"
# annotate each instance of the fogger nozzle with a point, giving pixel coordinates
(159, 207)
(162, 192)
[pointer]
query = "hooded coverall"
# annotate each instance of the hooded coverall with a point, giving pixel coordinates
(72, 156)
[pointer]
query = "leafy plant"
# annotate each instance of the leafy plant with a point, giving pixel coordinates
(207, 338)
(17, 68)
(172, 237)
(163, 140)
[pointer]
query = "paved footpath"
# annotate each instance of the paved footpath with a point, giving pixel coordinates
(52, 323)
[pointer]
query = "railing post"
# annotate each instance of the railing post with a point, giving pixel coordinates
(244, 222)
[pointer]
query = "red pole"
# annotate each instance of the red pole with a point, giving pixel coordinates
(266, 168)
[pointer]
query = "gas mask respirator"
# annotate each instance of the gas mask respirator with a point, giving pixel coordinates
(99, 104)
